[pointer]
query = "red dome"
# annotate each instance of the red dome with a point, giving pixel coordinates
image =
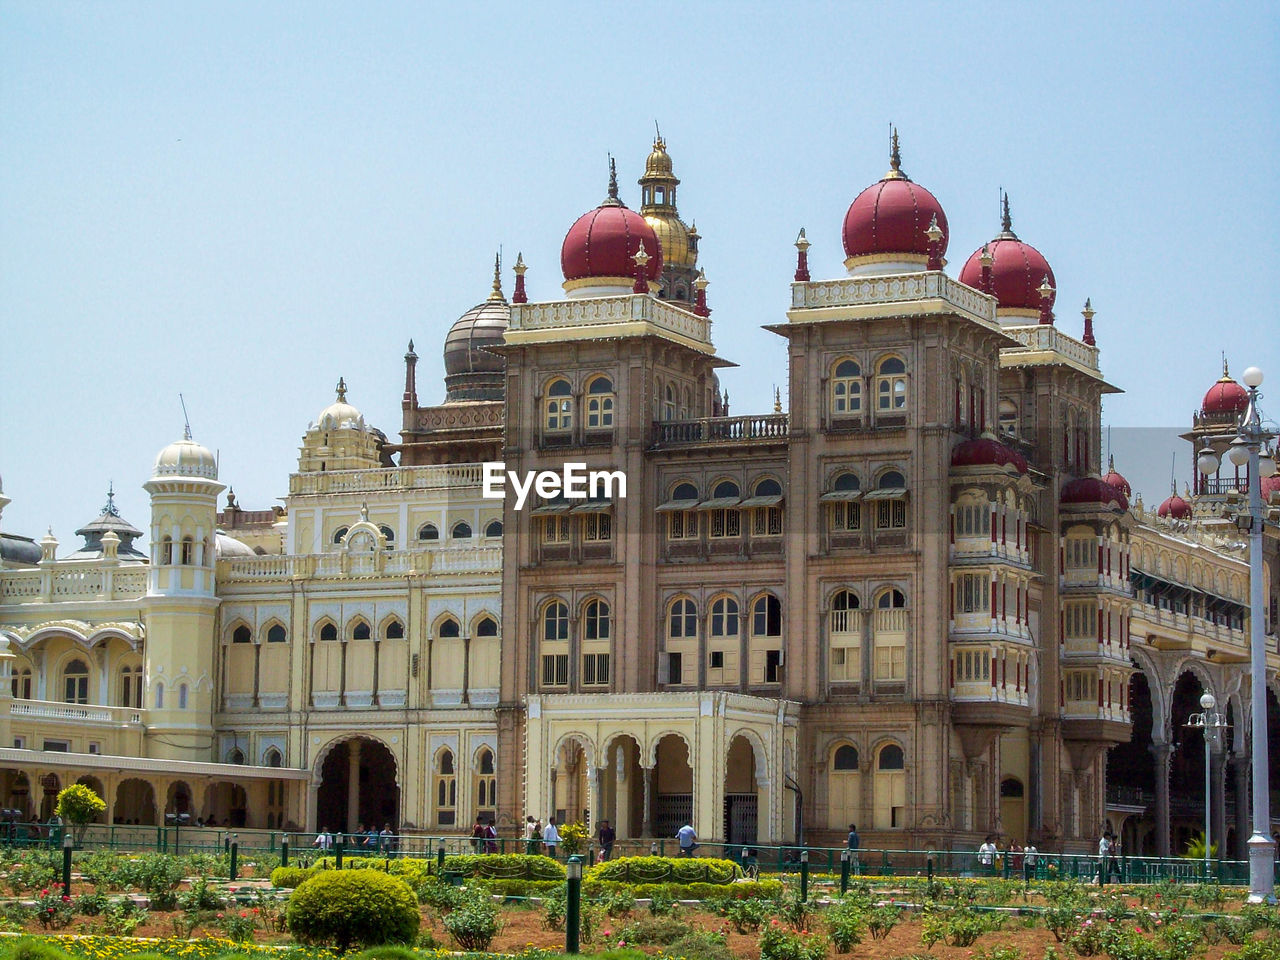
(1093, 490)
(1225, 397)
(891, 217)
(1117, 480)
(602, 242)
(986, 451)
(1175, 507)
(1017, 271)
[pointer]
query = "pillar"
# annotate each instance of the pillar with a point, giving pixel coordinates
(353, 784)
(622, 792)
(1218, 788)
(1162, 752)
(1240, 765)
(646, 774)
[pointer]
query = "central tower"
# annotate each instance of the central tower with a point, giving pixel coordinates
(679, 243)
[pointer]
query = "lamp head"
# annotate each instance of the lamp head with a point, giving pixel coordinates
(804, 856)
(1207, 462)
(1207, 701)
(1252, 378)
(1267, 466)
(1238, 452)
(573, 867)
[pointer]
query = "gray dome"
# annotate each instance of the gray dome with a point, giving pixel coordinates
(226, 547)
(471, 371)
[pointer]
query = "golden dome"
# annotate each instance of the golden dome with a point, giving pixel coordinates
(658, 166)
(674, 237)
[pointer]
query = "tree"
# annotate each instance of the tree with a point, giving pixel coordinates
(79, 806)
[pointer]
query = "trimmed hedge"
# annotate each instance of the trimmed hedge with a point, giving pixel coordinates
(666, 870)
(291, 876)
(510, 866)
(349, 908)
(594, 889)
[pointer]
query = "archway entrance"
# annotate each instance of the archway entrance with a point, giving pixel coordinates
(741, 794)
(135, 802)
(358, 787)
(226, 804)
(622, 787)
(50, 785)
(1131, 772)
(569, 784)
(673, 787)
(1186, 769)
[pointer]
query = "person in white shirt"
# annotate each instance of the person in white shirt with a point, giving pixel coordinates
(1104, 851)
(530, 836)
(324, 840)
(987, 853)
(551, 837)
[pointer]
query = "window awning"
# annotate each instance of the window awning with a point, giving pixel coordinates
(677, 506)
(836, 496)
(559, 506)
(594, 506)
(886, 493)
(772, 500)
(720, 503)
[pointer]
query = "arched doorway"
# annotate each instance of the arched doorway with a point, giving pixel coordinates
(1131, 773)
(1013, 809)
(569, 783)
(226, 804)
(1186, 768)
(135, 802)
(358, 787)
(49, 787)
(741, 799)
(178, 799)
(672, 786)
(622, 787)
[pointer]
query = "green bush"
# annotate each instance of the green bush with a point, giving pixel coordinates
(199, 897)
(688, 870)
(474, 922)
(846, 925)
(291, 877)
(779, 943)
(654, 930)
(1268, 949)
(32, 948)
(881, 920)
(78, 804)
(748, 916)
(705, 945)
(91, 904)
(521, 888)
(347, 908)
(34, 870)
(510, 866)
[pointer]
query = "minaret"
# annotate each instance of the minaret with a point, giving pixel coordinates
(181, 605)
(679, 243)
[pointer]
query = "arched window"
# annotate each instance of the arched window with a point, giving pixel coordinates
(486, 627)
(559, 407)
(891, 503)
(600, 401)
(669, 403)
(236, 756)
(241, 634)
(844, 630)
(449, 629)
(188, 551)
(766, 508)
(159, 696)
(166, 550)
(393, 630)
(182, 696)
(554, 649)
(493, 529)
(766, 616)
(461, 531)
(446, 791)
(428, 531)
(890, 788)
(75, 682)
(387, 534)
(272, 758)
(555, 621)
(361, 631)
(596, 620)
(766, 626)
(846, 389)
(891, 385)
(844, 788)
(682, 515)
(21, 683)
(844, 512)
(1008, 417)
(340, 534)
(595, 639)
(890, 638)
(328, 632)
(682, 619)
(486, 785)
(726, 519)
(276, 634)
(724, 617)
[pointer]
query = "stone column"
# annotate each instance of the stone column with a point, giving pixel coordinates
(353, 784)
(1162, 752)
(646, 774)
(621, 793)
(1240, 765)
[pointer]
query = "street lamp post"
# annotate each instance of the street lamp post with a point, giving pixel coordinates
(1250, 446)
(1212, 723)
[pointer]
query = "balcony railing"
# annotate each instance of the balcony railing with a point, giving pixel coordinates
(482, 559)
(769, 426)
(1090, 647)
(75, 580)
(75, 712)
(1089, 710)
(845, 623)
(973, 548)
(389, 478)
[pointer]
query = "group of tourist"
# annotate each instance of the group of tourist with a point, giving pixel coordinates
(383, 840)
(1018, 857)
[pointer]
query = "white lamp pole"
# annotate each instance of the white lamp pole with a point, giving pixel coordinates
(1248, 446)
(1211, 722)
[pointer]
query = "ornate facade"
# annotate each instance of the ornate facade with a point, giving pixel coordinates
(907, 598)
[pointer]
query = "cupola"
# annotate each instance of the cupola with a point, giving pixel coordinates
(1093, 491)
(471, 371)
(987, 451)
(1019, 276)
(1116, 479)
(1226, 399)
(598, 256)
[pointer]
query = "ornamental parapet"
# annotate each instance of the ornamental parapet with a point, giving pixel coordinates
(439, 477)
(337, 566)
(74, 580)
(1043, 343)
(607, 316)
(718, 430)
(908, 293)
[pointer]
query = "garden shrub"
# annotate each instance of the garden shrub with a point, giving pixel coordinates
(474, 922)
(846, 925)
(687, 870)
(661, 903)
(53, 909)
(103, 868)
(34, 870)
(349, 908)
(553, 909)
(199, 897)
(1234, 930)
(91, 904)
(619, 904)
(748, 916)
(32, 948)
(705, 945)
(881, 920)
(237, 925)
(779, 943)
(510, 866)
(442, 896)
(649, 931)
(290, 877)
(521, 888)
(79, 805)
(1266, 949)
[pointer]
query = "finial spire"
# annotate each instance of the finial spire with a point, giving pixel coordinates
(935, 236)
(342, 390)
(496, 295)
(700, 285)
(1006, 219)
(1046, 292)
(612, 199)
(110, 508)
(641, 258)
(657, 136)
(895, 157)
(1088, 313)
(519, 296)
(802, 257)
(186, 421)
(364, 511)
(1225, 374)
(777, 400)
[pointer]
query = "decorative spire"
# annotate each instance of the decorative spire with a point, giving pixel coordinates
(641, 257)
(987, 261)
(364, 511)
(496, 295)
(342, 390)
(935, 235)
(724, 404)
(410, 399)
(612, 199)
(658, 142)
(1111, 463)
(1006, 219)
(895, 158)
(700, 285)
(1088, 313)
(777, 400)
(1046, 300)
(231, 499)
(520, 296)
(802, 257)
(1226, 374)
(110, 508)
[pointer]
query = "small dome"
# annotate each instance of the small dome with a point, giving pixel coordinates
(186, 458)
(987, 452)
(673, 240)
(892, 216)
(1175, 508)
(1093, 490)
(1115, 479)
(658, 166)
(340, 415)
(602, 242)
(1225, 398)
(1018, 269)
(471, 371)
(225, 547)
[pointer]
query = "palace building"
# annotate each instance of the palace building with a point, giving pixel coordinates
(909, 596)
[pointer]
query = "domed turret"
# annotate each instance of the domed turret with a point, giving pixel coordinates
(186, 458)
(340, 415)
(598, 256)
(108, 522)
(679, 243)
(1093, 491)
(1226, 399)
(886, 229)
(340, 439)
(987, 451)
(1174, 507)
(471, 371)
(1115, 479)
(1018, 272)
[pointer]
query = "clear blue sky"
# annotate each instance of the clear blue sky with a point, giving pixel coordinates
(243, 201)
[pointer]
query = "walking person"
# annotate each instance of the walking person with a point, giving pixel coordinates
(854, 842)
(531, 835)
(606, 836)
(491, 837)
(324, 841)
(477, 836)
(987, 854)
(551, 837)
(688, 839)
(1104, 854)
